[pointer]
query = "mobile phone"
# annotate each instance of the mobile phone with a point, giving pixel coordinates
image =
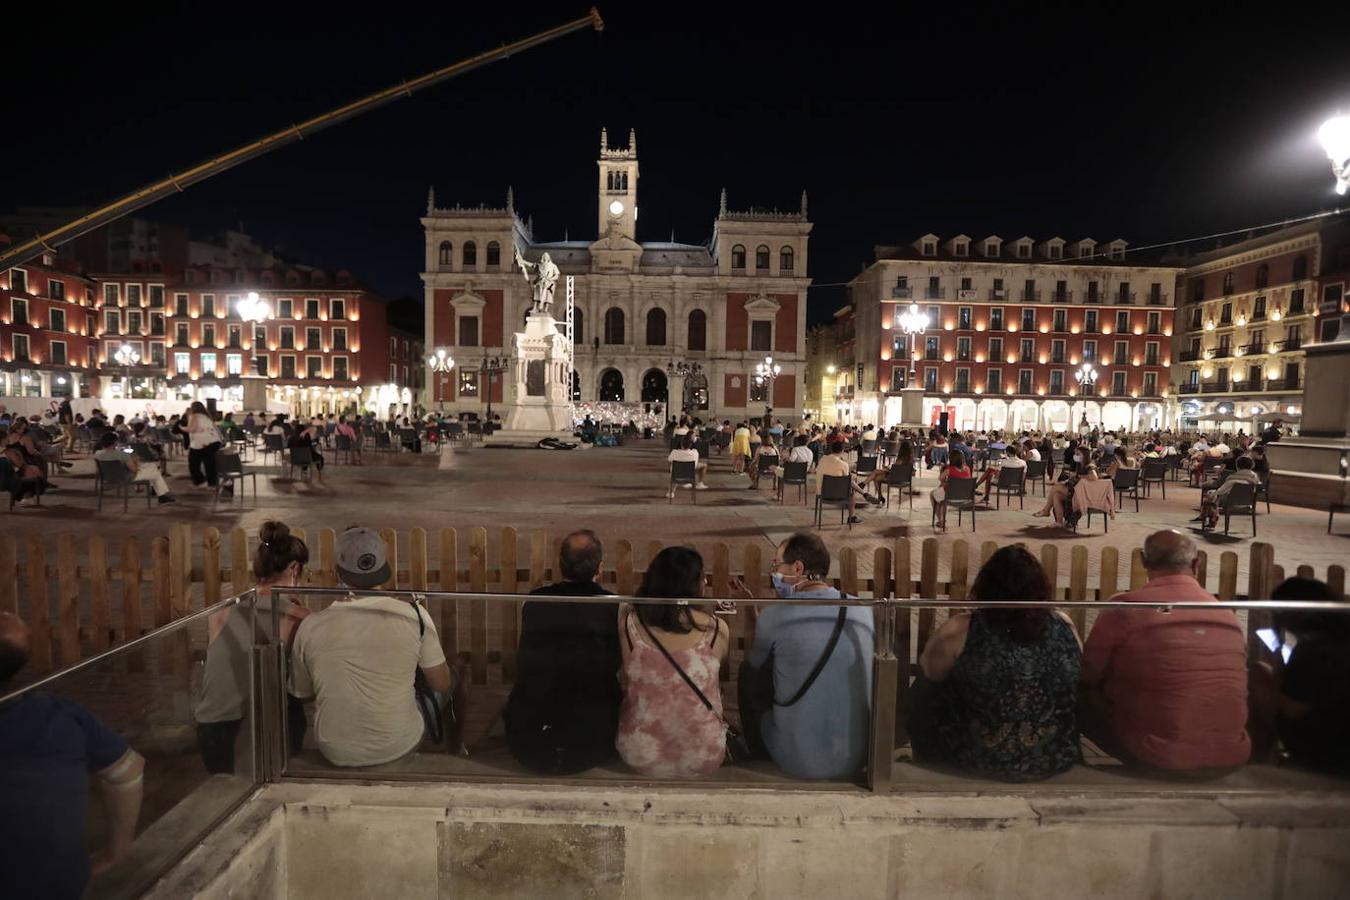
(1270, 638)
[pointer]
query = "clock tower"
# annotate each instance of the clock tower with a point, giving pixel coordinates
(618, 187)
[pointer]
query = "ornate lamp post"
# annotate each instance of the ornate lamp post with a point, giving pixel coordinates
(1086, 376)
(126, 357)
(682, 370)
(766, 372)
(490, 367)
(913, 322)
(1335, 137)
(254, 310)
(440, 363)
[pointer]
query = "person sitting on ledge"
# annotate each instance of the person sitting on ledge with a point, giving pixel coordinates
(1167, 690)
(999, 686)
(670, 721)
(806, 685)
(358, 659)
(563, 713)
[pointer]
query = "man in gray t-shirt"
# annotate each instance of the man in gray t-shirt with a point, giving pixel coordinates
(108, 451)
(358, 659)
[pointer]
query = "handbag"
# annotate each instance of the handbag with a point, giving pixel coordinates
(736, 746)
(433, 716)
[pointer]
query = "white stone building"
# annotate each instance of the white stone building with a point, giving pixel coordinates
(639, 306)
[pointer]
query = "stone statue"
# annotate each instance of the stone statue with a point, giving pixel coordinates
(542, 284)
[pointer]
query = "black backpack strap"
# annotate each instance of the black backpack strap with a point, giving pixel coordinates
(676, 666)
(820, 663)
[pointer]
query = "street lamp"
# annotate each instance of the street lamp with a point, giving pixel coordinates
(913, 322)
(440, 363)
(252, 308)
(490, 367)
(766, 372)
(1086, 376)
(126, 357)
(1335, 137)
(682, 369)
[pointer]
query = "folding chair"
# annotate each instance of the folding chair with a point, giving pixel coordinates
(1155, 472)
(230, 469)
(901, 477)
(1263, 489)
(1240, 499)
(866, 465)
(835, 490)
(793, 473)
(684, 473)
(1037, 471)
(1126, 483)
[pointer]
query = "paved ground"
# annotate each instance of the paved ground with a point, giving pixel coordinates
(620, 492)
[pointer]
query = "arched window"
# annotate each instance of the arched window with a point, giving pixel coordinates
(698, 330)
(1300, 268)
(762, 258)
(609, 180)
(494, 253)
(470, 254)
(614, 325)
(611, 385)
(738, 257)
(785, 260)
(656, 328)
(1262, 276)
(578, 332)
(446, 253)
(654, 388)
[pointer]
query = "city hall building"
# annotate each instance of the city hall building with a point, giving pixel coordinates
(640, 307)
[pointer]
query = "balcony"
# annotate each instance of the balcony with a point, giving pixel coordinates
(1093, 298)
(933, 293)
(1057, 358)
(901, 293)
(1127, 299)
(1030, 296)
(1222, 352)
(1292, 344)
(1150, 360)
(1282, 384)
(1220, 387)
(1259, 316)
(1189, 389)
(1157, 299)
(1253, 349)
(1026, 358)
(998, 294)
(932, 356)
(1061, 296)
(1296, 307)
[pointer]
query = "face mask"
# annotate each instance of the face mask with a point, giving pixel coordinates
(781, 584)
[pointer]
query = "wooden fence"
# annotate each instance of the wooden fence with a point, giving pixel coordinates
(96, 593)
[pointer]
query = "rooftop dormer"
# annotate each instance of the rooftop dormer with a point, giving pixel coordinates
(1116, 249)
(1085, 249)
(958, 246)
(992, 247)
(927, 245)
(1023, 247)
(1052, 249)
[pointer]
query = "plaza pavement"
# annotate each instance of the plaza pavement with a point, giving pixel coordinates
(620, 493)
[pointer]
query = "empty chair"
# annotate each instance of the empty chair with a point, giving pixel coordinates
(1240, 500)
(1036, 474)
(902, 478)
(1126, 483)
(961, 497)
(343, 444)
(1011, 483)
(116, 477)
(683, 473)
(866, 465)
(793, 473)
(230, 469)
(888, 451)
(1154, 472)
(301, 458)
(1263, 489)
(273, 443)
(836, 490)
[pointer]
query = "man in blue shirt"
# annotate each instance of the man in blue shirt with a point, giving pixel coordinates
(48, 748)
(812, 727)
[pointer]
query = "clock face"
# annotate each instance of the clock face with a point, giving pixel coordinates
(616, 208)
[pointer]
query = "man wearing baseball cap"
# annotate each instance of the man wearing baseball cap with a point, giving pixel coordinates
(358, 659)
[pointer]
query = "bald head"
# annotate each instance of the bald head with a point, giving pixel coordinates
(1169, 553)
(580, 557)
(13, 646)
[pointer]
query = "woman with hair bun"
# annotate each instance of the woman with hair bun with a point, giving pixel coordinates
(999, 686)
(278, 562)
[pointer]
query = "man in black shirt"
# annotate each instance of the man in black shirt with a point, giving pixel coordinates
(563, 712)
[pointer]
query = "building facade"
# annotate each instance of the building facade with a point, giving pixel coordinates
(1248, 310)
(1011, 325)
(638, 306)
(47, 327)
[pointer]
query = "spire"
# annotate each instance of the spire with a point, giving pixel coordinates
(632, 141)
(803, 204)
(431, 199)
(722, 207)
(672, 235)
(510, 199)
(604, 139)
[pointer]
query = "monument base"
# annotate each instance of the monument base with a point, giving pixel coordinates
(528, 439)
(538, 390)
(1313, 469)
(911, 408)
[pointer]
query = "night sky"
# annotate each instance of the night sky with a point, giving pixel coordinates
(950, 118)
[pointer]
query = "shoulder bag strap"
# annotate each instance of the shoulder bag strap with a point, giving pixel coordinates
(820, 663)
(674, 665)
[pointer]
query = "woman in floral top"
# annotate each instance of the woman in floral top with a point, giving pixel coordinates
(1000, 686)
(670, 727)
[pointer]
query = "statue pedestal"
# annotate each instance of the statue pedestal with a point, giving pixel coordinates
(911, 408)
(1313, 468)
(255, 393)
(537, 399)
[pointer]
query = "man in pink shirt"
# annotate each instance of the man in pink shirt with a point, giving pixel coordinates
(1167, 690)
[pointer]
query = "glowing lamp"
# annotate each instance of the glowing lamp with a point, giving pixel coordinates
(1334, 136)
